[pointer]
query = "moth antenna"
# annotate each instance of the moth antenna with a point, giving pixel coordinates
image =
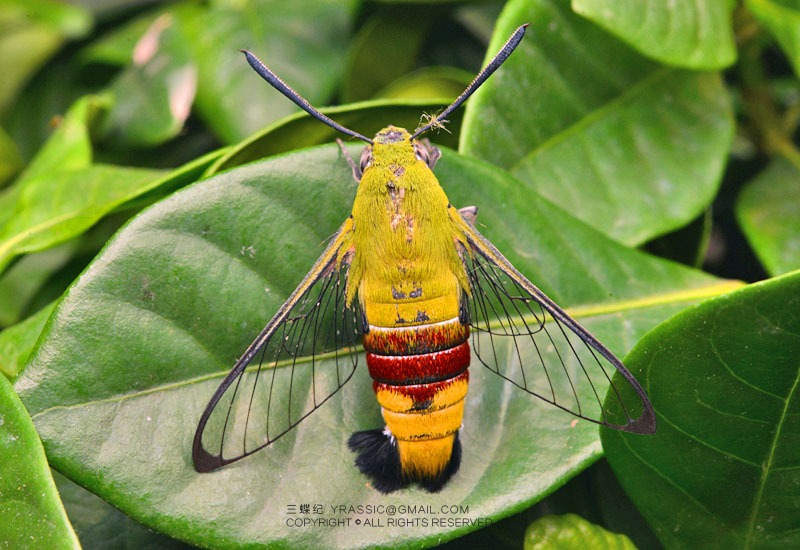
(487, 71)
(286, 90)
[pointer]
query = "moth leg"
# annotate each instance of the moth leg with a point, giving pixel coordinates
(469, 213)
(356, 169)
(434, 154)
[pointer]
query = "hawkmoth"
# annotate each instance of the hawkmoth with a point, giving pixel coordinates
(410, 276)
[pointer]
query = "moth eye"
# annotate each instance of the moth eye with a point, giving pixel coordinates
(366, 158)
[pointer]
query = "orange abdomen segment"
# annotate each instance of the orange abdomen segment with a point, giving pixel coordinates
(421, 393)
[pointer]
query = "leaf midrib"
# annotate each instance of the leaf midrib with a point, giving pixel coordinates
(577, 313)
(765, 468)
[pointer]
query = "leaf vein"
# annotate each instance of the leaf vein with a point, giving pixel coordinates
(765, 468)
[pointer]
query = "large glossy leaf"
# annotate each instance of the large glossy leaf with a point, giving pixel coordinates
(569, 532)
(308, 56)
(723, 469)
(140, 342)
(367, 117)
(782, 20)
(696, 34)
(768, 211)
(31, 514)
(633, 148)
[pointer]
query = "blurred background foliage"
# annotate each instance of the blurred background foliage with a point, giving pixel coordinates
(686, 111)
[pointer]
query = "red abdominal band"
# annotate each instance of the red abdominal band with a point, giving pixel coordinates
(418, 369)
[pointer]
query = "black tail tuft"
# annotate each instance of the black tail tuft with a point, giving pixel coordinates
(378, 459)
(435, 485)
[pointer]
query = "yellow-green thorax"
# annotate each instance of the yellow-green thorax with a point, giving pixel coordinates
(405, 265)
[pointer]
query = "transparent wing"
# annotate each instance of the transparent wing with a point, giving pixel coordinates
(524, 337)
(304, 355)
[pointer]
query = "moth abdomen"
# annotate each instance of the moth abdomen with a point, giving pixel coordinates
(420, 379)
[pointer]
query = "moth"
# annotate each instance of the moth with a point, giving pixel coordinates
(409, 276)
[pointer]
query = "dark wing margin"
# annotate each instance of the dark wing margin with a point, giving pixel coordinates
(524, 337)
(304, 355)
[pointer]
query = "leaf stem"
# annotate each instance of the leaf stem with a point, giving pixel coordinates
(770, 129)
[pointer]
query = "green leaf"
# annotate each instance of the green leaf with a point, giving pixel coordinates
(368, 117)
(116, 46)
(695, 34)
(428, 82)
(70, 20)
(23, 280)
(70, 145)
(782, 20)
(42, 103)
(416, 2)
(768, 211)
(386, 47)
(30, 32)
(31, 514)
(54, 208)
(231, 97)
(17, 342)
(105, 10)
(100, 526)
(153, 97)
(37, 279)
(632, 148)
(167, 307)
(479, 19)
(151, 105)
(591, 494)
(568, 532)
(722, 471)
(68, 148)
(10, 160)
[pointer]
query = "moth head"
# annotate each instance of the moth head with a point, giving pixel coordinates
(392, 145)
